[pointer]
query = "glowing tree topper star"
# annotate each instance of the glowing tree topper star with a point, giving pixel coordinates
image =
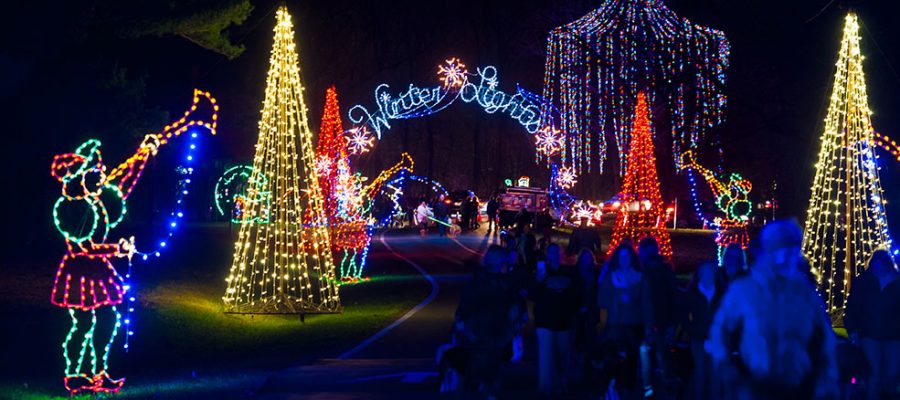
(453, 73)
(548, 141)
(360, 140)
(566, 178)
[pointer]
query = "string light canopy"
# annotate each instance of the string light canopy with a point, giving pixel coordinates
(845, 221)
(596, 66)
(642, 213)
(285, 265)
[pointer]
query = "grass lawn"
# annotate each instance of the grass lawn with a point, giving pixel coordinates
(184, 346)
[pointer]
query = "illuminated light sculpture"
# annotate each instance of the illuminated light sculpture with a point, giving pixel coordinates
(548, 141)
(396, 190)
(93, 202)
(357, 244)
(642, 213)
(584, 210)
(523, 181)
(566, 178)
(452, 73)
(347, 201)
(360, 140)
(331, 153)
(231, 195)
(732, 199)
(523, 106)
(888, 145)
(596, 66)
(845, 221)
(285, 265)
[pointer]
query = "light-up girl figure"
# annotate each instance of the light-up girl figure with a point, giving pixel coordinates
(93, 201)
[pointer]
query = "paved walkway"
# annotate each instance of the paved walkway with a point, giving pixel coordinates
(398, 362)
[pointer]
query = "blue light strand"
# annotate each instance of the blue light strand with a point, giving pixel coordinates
(181, 191)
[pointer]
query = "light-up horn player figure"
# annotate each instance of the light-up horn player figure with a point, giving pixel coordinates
(732, 199)
(92, 203)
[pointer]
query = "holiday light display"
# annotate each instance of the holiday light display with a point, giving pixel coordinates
(285, 265)
(523, 106)
(548, 141)
(731, 199)
(331, 153)
(395, 186)
(641, 213)
(92, 203)
(360, 140)
(560, 200)
(231, 195)
(596, 66)
(523, 181)
(351, 229)
(584, 210)
(889, 145)
(845, 221)
(566, 178)
(453, 73)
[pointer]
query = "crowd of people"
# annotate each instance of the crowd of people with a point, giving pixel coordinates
(439, 213)
(631, 329)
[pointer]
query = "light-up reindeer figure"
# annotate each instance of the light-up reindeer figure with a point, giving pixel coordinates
(731, 199)
(91, 204)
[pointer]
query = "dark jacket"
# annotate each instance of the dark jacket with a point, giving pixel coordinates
(660, 295)
(623, 302)
(488, 308)
(440, 210)
(873, 312)
(700, 312)
(492, 207)
(557, 300)
(583, 238)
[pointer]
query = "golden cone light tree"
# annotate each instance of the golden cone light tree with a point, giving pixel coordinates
(642, 213)
(283, 264)
(846, 221)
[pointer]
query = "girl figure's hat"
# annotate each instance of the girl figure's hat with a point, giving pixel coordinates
(69, 165)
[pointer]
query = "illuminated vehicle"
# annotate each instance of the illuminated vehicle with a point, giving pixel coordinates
(514, 199)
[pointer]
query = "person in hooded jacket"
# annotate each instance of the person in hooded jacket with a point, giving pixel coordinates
(771, 337)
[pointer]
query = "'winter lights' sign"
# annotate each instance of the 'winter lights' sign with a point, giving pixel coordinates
(523, 106)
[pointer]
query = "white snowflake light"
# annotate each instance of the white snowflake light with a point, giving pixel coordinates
(548, 141)
(359, 140)
(323, 166)
(583, 210)
(566, 178)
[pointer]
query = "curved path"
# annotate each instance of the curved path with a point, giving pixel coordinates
(398, 361)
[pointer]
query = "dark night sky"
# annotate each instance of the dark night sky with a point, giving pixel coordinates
(54, 63)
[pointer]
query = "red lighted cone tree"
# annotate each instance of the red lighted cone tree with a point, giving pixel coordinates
(331, 153)
(642, 213)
